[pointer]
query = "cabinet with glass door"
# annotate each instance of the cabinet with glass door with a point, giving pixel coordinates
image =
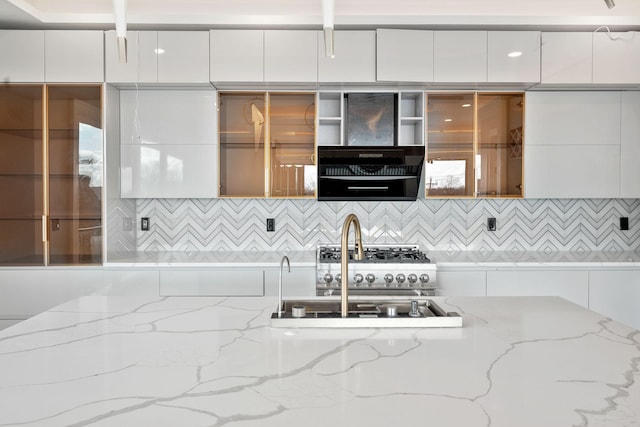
(51, 176)
(267, 144)
(474, 144)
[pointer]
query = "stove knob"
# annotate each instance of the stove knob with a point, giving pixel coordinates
(388, 278)
(424, 278)
(400, 278)
(358, 278)
(370, 278)
(328, 278)
(412, 278)
(339, 278)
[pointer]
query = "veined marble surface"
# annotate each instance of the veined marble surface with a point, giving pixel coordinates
(519, 361)
(442, 258)
(208, 259)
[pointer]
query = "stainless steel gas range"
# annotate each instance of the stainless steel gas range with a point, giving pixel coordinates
(385, 270)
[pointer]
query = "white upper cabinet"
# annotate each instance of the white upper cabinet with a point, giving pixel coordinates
(290, 56)
(576, 118)
(168, 144)
(616, 57)
(183, 56)
(404, 55)
(74, 56)
(22, 54)
(142, 59)
(572, 145)
(263, 56)
(159, 57)
(237, 56)
(630, 146)
(354, 61)
(566, 58)
(459, 56)
(513, 56)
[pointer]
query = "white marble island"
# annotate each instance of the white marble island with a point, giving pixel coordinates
(520, 361)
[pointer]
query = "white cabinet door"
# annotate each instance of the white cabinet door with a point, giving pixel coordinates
(142, 59)
(580, 118)
(22, 54)
(460, 56)
(168, 144)
(168, 171)
(616, 57)
(74, 56)
(355, 57)
(462, 283)
(570, 285)
(513, 56)
(183, 56)
(404, 55)
(630, 146)
(572, 171)
(31, 291)
(300, 282)
(237, 55)
(290, 56)
(566, 58)
(217, 282)
(131, 282)
(572, 144)
(616, 294)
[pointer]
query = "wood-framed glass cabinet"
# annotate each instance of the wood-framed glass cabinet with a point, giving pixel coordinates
(267, 144)
(474, 144)
(51, 151)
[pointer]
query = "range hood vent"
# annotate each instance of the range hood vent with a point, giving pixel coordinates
(369, 173)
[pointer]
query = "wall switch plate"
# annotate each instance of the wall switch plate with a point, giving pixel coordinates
(127, 224)
(144, 224)
(491, 224)
(624, 223)
(271, 224)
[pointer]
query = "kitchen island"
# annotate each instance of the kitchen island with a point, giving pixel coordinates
(127, 361)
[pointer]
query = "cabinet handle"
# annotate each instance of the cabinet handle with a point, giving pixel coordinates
(44, 229)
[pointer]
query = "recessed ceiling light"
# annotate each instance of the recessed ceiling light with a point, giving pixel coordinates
(514, 54)
(466, 105)
(159, 51)
(448, 120)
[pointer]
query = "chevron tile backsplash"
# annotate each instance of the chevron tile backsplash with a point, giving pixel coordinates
(580, 225)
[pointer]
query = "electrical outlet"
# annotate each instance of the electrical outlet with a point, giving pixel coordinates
(271, 224)
(491, 224)
(624, 223)
(127, 224)
(144, 224)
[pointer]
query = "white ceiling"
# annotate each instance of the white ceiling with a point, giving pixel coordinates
(542, 14)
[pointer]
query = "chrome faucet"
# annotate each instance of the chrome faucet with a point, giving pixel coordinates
(284, 258)
(344, 261)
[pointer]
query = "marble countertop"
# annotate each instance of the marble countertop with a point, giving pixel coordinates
(474, 259)
(207, 259)
(518, 361)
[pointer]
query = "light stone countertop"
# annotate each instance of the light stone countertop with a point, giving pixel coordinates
(470, 259)
(518, 361)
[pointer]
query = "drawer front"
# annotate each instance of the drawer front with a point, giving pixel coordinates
(218, 282)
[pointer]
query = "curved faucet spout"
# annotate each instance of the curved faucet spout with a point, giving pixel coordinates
(284, 258)
(344, 260)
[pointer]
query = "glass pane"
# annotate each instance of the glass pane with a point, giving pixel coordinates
(21, 175)
(242, 133)
(75, 175)
(292, 135)
(450, 161)
(499, 167)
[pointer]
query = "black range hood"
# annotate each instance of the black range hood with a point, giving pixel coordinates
(369, 173)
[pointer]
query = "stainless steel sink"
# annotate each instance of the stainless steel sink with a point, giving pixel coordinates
(365, 313)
